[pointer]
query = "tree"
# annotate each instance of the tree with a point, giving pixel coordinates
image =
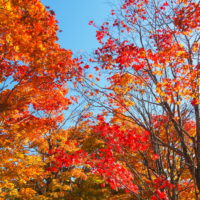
(150, 56)
(34, 78)
(33, 86)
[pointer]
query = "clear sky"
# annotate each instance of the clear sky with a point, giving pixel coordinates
(73, 17)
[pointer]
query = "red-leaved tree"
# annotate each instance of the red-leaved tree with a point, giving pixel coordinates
(148, 93)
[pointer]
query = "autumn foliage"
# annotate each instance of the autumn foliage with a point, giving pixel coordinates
(150, 121)
(137, 135)
(33, 77)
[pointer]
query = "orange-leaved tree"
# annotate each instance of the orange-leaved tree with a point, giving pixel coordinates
(34, 71)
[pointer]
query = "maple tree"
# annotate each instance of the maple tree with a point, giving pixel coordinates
(34, 71)
(150, 122)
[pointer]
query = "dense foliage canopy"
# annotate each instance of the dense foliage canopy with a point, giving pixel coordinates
(121, 124)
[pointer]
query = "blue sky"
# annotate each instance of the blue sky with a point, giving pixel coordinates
(73, 17)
